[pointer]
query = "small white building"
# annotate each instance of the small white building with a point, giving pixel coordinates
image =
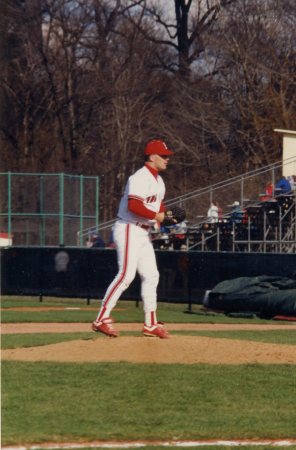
(289, 151)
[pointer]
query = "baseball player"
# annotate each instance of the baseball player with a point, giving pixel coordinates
(141, 207)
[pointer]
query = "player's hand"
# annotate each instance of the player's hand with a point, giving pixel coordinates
(160, 217)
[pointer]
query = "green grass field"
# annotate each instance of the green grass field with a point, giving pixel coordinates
(78, 310)
(30, 340)
(71, 402)
(68, 402)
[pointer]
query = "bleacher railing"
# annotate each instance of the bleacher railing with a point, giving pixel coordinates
(246, 188)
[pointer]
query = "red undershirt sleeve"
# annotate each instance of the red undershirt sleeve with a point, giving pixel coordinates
(137, 207)
(162, 208)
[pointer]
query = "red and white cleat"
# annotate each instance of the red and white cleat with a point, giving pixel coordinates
(156, 331)
(105, 326)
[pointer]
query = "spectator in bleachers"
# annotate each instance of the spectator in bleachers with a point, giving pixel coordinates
(88, 242)
(292, 181)
(237, 213)
(269, 189)
(269, 192)
(180, 228)
(213, 212)
(97, 241)
(282, 186)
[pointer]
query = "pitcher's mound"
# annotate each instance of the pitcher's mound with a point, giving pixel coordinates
(176, 350)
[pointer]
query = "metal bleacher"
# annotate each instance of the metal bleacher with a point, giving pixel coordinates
(268, 226)
(268, 223)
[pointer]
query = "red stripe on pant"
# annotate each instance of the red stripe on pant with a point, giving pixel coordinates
(116, 286)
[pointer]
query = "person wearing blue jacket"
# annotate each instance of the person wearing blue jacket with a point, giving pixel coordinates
(283, 186)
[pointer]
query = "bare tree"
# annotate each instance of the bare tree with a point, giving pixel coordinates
(254, 63)
(84, 85)
(179, 26)
(21, 93)
(124, 89)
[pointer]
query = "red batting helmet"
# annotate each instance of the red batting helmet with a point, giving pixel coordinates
(157, 147)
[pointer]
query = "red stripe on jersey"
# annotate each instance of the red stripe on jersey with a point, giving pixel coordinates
(125, 262)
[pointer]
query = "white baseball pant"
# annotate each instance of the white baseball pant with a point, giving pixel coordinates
(135, 253)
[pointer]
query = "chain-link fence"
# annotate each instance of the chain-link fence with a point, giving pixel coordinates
(47, 209)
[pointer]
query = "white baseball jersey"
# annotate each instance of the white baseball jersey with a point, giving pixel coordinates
(143, 186)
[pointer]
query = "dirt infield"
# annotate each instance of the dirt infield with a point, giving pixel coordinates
(138, 349)
(74, 327)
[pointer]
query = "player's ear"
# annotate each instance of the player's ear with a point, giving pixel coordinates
(149, 158)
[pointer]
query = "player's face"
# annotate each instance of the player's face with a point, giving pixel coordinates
(160, 162)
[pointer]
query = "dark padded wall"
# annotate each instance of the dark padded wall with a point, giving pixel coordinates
(86, 273)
